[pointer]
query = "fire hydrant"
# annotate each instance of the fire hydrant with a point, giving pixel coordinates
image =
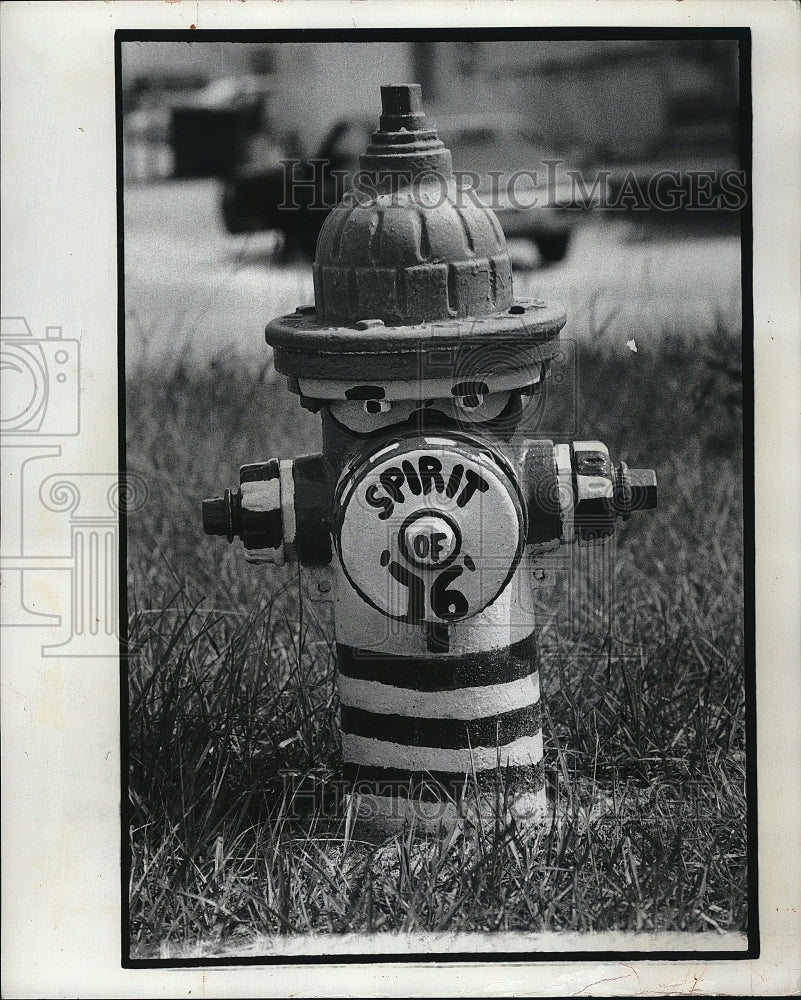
(430, 509)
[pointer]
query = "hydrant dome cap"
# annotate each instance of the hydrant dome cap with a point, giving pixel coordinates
(405, 246)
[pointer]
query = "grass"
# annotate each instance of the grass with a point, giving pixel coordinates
(238, 834)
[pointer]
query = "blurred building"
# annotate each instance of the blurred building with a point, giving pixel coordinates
(611, 100)
(603, 102)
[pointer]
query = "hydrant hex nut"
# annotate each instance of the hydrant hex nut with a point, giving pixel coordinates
(429, 541)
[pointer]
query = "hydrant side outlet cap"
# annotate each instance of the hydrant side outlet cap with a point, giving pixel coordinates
(449, 507)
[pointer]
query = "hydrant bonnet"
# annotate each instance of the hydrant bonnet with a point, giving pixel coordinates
(405, 247)
(407, 264)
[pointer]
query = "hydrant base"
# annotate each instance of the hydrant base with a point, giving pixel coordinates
(383, 815)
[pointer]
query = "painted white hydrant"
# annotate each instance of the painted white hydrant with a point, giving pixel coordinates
(432, 511)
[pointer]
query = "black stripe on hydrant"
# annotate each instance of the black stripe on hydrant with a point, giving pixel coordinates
(442, 672)
(492, 731)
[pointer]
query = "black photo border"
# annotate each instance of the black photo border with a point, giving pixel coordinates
(742, 35)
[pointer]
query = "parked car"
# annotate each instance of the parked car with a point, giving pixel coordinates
(523, 180)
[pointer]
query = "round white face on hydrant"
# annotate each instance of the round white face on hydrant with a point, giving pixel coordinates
(429, 529)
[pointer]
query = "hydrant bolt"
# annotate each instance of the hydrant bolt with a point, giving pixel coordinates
(377, 406)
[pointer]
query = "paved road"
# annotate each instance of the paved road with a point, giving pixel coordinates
(193, 289)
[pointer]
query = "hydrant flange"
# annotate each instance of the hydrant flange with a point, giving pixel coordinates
(488, 347)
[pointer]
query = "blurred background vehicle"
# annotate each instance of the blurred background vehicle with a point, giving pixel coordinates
(147, 100)
(294, 198)
(190, 127)
(532, 200)
(519, 179)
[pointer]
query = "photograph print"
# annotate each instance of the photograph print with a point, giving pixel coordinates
(440, 586)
